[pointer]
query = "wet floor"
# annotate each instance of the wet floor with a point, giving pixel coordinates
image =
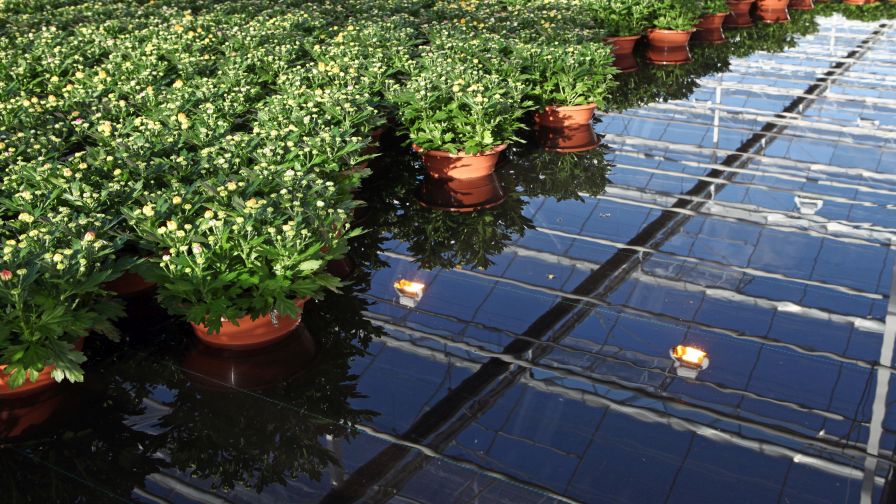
(742, 204)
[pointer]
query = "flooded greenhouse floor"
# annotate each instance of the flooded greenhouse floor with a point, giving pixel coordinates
(748, 212)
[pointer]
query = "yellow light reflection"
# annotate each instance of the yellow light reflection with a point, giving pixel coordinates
(409, 288)
(689, 356)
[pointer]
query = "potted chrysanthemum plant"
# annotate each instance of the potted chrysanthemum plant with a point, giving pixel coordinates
(52, 269)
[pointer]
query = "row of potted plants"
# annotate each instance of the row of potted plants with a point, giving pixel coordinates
(200, 151)
(214, 149)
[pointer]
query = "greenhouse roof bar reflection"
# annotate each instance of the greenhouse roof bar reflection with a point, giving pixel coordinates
(689, 302)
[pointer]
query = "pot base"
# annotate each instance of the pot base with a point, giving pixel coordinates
(668, 47)
(709, 29)
(669, 57)
(578, 138)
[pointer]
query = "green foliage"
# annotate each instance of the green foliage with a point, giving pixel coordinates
(562, 176)
(567, 74)
(621, 18)
(714, 6)
(51, 294)
(675, 14)
(454, 105)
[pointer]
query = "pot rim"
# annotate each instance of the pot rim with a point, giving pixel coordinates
(460, 154)
(663, 30)
(570, 107)
(621, 37)
(300, 302)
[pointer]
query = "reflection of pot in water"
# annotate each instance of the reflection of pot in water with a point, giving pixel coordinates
(461, 195)
(623, 48)
(739, 17)
(341, 268)
(252, 369)
(29, 411)
(709, 29)
(577, 138)
(44, 380)
(626, 63)
(668, 47)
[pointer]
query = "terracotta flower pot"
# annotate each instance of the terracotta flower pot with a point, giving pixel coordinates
(44, 381)
(247, 333)
(445, 165)
(739, 17)
(623, 45)
(129, 284)
(709, 29)
(563, 117)
(253, 369)
(668, 47)
(623, 48)
(772, 11)
(461, 195)
(859, 2)
(801, 5)
(576, 138)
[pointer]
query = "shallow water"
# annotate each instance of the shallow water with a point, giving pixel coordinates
(751, 215)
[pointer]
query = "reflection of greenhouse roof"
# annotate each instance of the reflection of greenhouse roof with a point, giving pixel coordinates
(753, 220)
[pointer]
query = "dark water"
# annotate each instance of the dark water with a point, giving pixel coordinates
(750, 215)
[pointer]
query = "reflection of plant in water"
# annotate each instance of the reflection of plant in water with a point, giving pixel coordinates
(710, 59)
(339, 317)
(142, 405)
(871, 12)
(443, 239)
(656, 83)
(394, 178)
(562, 176)
(233, 437)
(218, 435)
(772, 37)
(236, 438)
(89, 439)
